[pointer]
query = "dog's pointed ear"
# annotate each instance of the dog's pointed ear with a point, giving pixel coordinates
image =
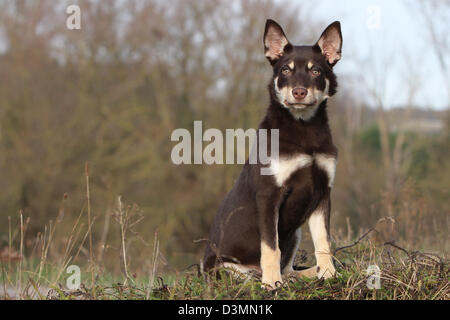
(330, 43)
(275, 41)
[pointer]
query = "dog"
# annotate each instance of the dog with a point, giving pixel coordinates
(257, 225)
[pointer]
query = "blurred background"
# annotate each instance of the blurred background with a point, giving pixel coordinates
(112, 92)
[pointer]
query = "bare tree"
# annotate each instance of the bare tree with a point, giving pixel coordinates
(437, 13)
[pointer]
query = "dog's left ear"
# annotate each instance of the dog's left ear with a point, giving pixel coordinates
(330, 43)
(275, 41)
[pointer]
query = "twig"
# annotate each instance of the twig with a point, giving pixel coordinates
(357, 241)
(88, 198)
(21, 253)
(122, 223)
(154, 266)
(390, 243)
(9, 243)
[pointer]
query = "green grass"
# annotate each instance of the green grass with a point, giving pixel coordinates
(404, 276)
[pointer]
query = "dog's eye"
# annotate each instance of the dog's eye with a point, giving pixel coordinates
(286, 71)
(315, 72)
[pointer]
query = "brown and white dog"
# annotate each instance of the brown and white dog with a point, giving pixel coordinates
(257, 226)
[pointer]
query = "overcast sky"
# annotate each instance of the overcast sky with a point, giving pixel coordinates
(389, 34)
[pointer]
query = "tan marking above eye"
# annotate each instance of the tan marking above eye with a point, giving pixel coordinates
(291, 65)
(310, 65)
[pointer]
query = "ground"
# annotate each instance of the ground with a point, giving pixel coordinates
(404, 275)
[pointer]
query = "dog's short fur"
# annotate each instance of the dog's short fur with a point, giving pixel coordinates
(257, 226)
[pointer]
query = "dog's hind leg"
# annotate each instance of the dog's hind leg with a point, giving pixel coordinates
(308, 273)
(239, 270)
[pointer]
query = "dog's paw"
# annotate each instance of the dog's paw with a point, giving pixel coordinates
(326, 271)
(306, 273)
(272, 286)
(272, 283)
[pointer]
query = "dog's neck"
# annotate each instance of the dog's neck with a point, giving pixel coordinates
(303, 136)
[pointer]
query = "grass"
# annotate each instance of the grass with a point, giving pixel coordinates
(37, 269)
(404, 276)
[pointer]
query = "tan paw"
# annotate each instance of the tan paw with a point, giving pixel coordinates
(326, 271)
(272, 283)
(308, 273)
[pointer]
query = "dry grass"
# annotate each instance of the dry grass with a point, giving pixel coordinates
(37, 269)
(405, 275)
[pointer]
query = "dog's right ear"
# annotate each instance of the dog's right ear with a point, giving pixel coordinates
(275, 42)
(330, 43)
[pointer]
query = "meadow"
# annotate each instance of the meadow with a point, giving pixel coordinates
(43, 275)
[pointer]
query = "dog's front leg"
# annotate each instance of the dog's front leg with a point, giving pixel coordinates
(320, 233)
(270, 263)
(319, 225)
(268, 206)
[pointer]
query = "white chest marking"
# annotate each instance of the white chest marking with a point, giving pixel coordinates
(283, 168)
(328, 164)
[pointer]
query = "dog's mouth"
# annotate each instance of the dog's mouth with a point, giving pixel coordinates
(300, 104)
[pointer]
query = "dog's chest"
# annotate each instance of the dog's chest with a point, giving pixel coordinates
(283, 168)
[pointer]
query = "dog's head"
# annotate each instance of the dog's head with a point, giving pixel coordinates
(302, 75)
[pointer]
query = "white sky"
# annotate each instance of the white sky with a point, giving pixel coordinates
(398, 41)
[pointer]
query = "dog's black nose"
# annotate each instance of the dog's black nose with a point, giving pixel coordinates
(299, 93)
